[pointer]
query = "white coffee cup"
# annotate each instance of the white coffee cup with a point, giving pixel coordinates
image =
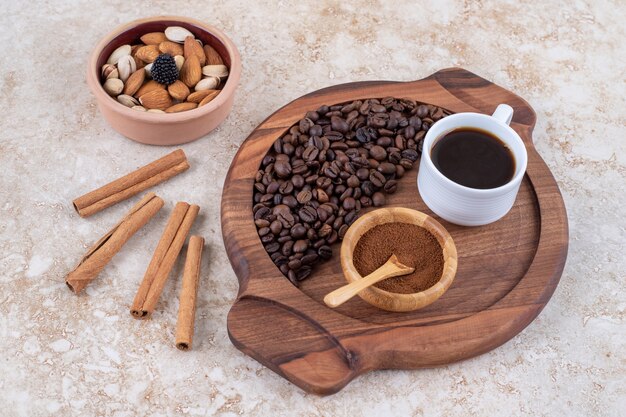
(460, 204)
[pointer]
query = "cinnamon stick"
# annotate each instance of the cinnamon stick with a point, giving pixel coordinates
(188, 292)
(104, 249)
(163, 260)
(131, 184)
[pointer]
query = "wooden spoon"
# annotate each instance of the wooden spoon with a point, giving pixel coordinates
(391, 268)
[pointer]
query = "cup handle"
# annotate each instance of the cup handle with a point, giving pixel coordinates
(503, 113)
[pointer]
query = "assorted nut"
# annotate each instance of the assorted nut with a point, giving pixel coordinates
(167, 72)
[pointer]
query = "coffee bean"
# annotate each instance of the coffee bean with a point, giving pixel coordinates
(300, 246)
(378, 153)
(342, 231)
(406, 163)
(410, 154)
(368, 188)
(309, 258)
(267, 238)
(295, 264)
(383, 141)
(325, 252)
(378, 199)
(298, 231)
(422, 111)
(303, 273)
(282, 169)
(261, 213)
(272, 247)
(349, 203)
(286, 188)
(260, 223)
(353, 181)
(308, 214)
(286, 249)
(286, 219)
(304, 196)
(391, 186)
(386, 168)
(310, 153)
(338, 124)
(324, 230)
(263, 231)
(377, 179)
(275, 227)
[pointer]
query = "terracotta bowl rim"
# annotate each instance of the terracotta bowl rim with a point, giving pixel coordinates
(93, 74)
(415, 300)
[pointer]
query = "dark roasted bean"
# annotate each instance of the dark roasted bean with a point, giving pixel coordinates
(377, 179)
(272, 247)
(325, 252)
(300, 246)
(308, 214)
(298, 231)
(378, 199)
(387, 168)
(391, 186)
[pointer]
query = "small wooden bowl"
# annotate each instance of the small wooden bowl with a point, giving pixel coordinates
(171, 128)
(393, 301)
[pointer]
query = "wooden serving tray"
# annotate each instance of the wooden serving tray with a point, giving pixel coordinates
(507, 270)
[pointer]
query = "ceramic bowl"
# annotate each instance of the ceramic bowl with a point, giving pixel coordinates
(171, 128)
(393, 301)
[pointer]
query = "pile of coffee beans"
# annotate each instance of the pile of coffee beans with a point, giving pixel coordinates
(335, 161)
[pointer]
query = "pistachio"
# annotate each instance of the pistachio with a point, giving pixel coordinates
(209, 83)
(180, 60)
(126, 66)
(107, 69)
(139, 108)
(113, 86)
(128, 101)
(177, 34)
(118, 53)
(220, 71)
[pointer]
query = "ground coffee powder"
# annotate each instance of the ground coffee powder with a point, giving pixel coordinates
(413, 245)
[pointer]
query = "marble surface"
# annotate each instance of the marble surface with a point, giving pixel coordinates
(66, 355)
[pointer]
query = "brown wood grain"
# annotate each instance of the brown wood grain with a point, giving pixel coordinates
(506, 274)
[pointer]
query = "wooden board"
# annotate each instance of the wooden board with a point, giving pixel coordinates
(507, 270)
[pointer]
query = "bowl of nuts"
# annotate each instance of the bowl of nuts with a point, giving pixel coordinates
(164, 80)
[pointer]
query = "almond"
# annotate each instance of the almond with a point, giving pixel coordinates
(148, 53)
(138, 62)
(149, 86)
(212, 57)
(172, 48)
(156, 99)
(197, 96)
(191, 71)
(191, 47)
(181, 107)
(153, 38)
(209, 97)
(134, 82)
(133, 49)
(178, 90)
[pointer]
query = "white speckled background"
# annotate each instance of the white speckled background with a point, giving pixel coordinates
(85, 356)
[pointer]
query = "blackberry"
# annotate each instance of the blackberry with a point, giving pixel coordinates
(164, 69)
